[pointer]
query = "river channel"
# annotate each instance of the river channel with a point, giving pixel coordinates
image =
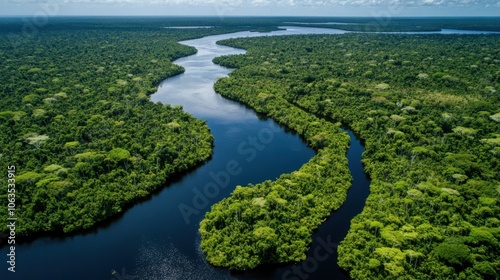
(154, 239)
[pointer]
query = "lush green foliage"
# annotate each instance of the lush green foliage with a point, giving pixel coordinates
(77, 123)
(427, 107)
(273, 221)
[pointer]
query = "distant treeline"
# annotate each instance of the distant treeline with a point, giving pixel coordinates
(387, 20)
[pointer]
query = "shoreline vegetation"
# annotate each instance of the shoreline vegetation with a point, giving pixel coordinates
(87, 142)
(77, 122)
(273, 221)
(426, 107)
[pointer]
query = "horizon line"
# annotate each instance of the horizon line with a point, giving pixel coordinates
(256, 16)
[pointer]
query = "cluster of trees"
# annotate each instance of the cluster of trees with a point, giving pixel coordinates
(426, 107)
(77, 122)
(210, 25)
(273, 221)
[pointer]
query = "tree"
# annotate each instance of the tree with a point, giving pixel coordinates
(453, 252)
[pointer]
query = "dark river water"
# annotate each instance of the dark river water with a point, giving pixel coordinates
(153, 239)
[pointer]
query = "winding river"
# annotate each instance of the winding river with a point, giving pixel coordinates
(153, 239)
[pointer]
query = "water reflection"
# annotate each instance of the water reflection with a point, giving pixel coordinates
(153, 235)
(194, 88)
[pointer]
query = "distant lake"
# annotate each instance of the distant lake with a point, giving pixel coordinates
(325, 23)
(187, 27)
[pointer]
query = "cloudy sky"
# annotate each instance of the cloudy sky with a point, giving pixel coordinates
(371, 8)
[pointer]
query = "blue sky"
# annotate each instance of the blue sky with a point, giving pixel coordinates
(370, 8)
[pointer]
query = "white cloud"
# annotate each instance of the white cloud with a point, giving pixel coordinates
(253, 7)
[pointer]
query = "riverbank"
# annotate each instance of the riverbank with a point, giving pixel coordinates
(424, 164)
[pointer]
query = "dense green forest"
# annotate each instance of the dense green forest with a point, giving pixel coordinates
(77, 122)
(273, 221)
(427, 108)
